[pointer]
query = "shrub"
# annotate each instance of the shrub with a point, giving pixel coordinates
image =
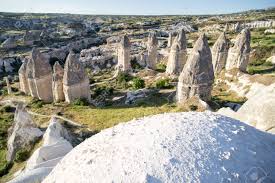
(161, 67)
(4, 168)
(122, 79)
(135, 64)
(163, 84)
(22, 155)
(138, 83)
(104, 89)
(81, 102)
(36, 103)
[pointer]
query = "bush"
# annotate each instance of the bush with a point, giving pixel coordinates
(138, 83)
(4, 168)
(104, 89)
(163, 84)
(122, 79)
(161, 67)
(81, 102)
(36, 103)
(22, 155)
(135, 64)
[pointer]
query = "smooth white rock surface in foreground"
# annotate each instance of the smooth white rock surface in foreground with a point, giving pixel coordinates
(44, 159)
(175, 147)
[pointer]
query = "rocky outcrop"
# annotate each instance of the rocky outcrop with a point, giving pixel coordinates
(176, 63)
(219, 53)
(42, 76)
(75, 82)
(197, 77)
(23, 79)
(124, 64)
(152, 48)
(238, 56)
(24, 132)
(58, 72)
(9, 43)
(173, 147)
(55, 146)
(133, 96)
(257, 111)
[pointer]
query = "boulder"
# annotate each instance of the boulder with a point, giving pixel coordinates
(123, 54)
(58, 72)
(133, 96)
(75, 82)
(197, 77)
(173, 147)
(238, 56)
(152, 48)
(219, 53)
(24, 132)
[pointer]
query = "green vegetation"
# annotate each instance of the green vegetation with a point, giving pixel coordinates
(36, 103)
(138, 83)
(81, 102)
(6, 119)
(123, 79)
(161, 67)
(163, 84)
(22, 155)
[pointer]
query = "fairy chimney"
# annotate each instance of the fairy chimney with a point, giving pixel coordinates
(124, 59)
(197, 77)
(23, 80)
(58, 72)
(42, 75)
(176, 66)
(238, 56)
(152, 47)
(75, 82)
(219, 53)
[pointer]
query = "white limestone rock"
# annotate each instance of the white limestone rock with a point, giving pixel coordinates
(123, 54)
(24, 132)
(173, 147)
(197, 77)
(58, 93)
(238, 56)
(75, 82)
(219, 53)
(152, 48)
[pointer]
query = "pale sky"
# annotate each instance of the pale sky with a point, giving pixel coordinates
(133, 7)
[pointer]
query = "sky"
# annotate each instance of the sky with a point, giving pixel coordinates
(133, 7)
